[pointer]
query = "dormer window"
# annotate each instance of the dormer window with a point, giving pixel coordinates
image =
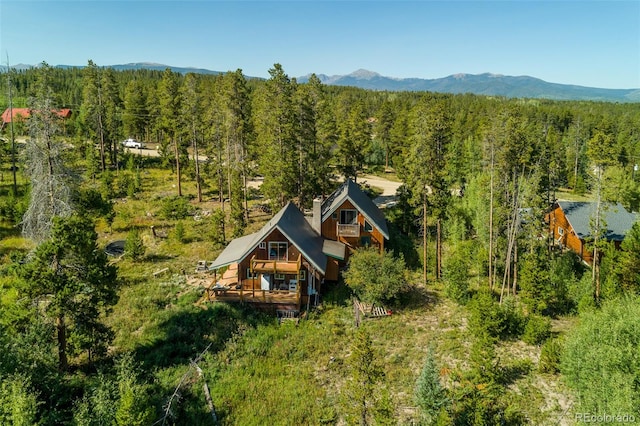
(348, 217)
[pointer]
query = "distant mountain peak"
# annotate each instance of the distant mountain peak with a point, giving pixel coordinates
(364, 74)
(489, 84)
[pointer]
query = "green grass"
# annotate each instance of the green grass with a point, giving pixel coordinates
(260, 372)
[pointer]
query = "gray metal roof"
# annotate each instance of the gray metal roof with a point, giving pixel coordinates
(349, 190)
(335, 249)
(617, 219)
(291, 222)
(235, 251)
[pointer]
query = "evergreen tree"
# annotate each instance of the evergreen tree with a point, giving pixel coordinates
(169, 108)
(135, 117)
(92, 111)
(191, 104)
(424, 168)
(366, 373)
(71, 276)
(52, 183)
(431, 396)
(276, 138)
(112, 118)
(236, 109)
(354, 140)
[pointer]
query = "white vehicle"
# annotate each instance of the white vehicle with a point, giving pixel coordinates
(132, 143)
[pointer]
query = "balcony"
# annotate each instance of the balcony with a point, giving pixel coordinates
(348, 230)
(276, 266)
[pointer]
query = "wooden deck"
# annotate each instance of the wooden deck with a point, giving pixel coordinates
(229, 289)
(276, 266)
(281, 297)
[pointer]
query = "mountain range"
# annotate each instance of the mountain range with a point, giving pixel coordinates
(480, 84)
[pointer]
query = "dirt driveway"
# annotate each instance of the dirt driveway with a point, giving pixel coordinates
(388, 187)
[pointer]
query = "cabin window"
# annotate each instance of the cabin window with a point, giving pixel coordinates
(251, 275)
(277, 250)
(367, 226)
(303, 275)
(560, 230)
(279, 276)
(365, 241)
(263, 245)
(348, 217)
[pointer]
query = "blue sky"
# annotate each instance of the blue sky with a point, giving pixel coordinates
(588, 43)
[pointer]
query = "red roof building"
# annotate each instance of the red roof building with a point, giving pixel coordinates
(24, 113)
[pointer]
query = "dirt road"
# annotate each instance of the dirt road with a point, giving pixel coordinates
(388, 187)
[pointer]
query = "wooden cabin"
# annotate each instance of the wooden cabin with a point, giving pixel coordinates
(282, 264)
(349, 216)
(570, 225)
(285, 263)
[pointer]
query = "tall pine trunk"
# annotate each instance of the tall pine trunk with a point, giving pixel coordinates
(61, 330)
(176, 151)
(195, 154)
(424, 238)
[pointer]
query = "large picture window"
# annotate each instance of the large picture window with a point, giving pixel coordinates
(348, 217)
(277, 250)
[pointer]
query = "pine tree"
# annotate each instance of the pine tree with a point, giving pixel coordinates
(73, 276)
(276, 139)
(191, 104)
(52, 182)
(424, 171)
(135, 117)
(169, 105)
(430, 395)
(92, 112)
(366, 373)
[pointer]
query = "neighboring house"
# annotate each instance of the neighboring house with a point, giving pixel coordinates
(570, 224)
(349, 216)
(15, 114)
(286, 262)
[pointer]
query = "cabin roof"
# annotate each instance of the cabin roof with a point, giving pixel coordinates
(349, 190)
(617, 219)
(291, 222)
(10, 114)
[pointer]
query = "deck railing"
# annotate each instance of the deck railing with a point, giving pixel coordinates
(275, 265)
(254, 295)
(348, 230)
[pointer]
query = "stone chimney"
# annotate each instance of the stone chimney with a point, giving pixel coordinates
(316, 221)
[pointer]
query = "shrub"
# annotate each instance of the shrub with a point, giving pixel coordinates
(512, 318)
(496, 320)
(179, 232)
(456, 275)
(375, 277)
(550, 355)
(431, 396)
(13, 208)
(175, 208)
(537, 330)
(134, 246)
(600, 359)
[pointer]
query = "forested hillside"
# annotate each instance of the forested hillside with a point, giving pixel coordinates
(492, 322)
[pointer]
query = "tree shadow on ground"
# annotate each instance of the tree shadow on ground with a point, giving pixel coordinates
(337, 293)
(188, 332)
(508, 374)
(158, 257)
(417, 297)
